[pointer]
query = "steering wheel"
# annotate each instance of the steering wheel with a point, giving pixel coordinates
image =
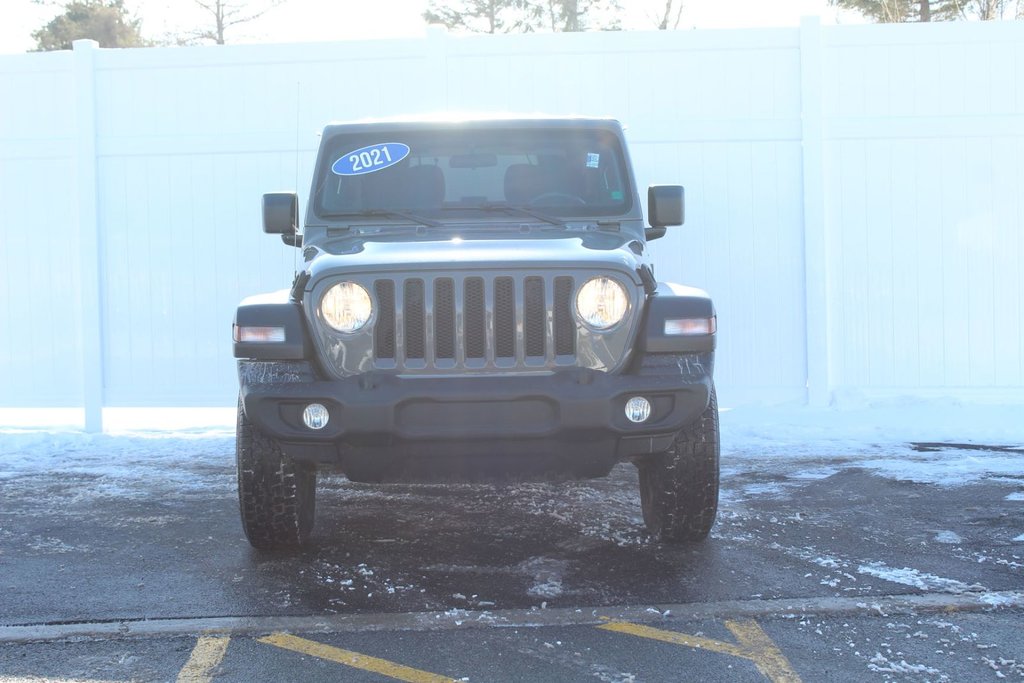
(551, 199)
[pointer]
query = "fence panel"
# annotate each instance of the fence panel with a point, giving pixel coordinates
(40, 316)
(917, 133)
(925, 130)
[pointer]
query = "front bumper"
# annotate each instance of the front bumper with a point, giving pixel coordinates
(570, 422)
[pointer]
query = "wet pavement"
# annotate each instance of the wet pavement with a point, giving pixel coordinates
(802, 579)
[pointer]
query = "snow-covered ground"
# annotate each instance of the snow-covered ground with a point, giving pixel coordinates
(151, 444)
(945, 443)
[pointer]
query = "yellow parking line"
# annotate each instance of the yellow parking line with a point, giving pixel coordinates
(353, 659)
(755, 645)
(206, 655)
(675, 638)
(766, 655)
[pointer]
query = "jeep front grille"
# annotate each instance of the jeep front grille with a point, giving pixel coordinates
(441, 322)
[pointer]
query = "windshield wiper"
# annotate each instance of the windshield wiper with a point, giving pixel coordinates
(509, 208)
(385, 213)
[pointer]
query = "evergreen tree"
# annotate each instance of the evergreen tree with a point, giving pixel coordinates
(899, 11)
(105, 21)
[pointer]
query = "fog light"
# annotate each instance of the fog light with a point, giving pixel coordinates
(638, 409)
(315, 416)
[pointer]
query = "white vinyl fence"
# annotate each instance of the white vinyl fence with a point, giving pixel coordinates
(854, 196)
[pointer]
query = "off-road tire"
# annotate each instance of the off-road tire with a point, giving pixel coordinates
(276, 496)
(679, 488)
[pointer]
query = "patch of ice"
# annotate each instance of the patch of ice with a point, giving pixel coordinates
(1002, 599)
(943, 468)
(1019, 539)
(767, 489)
(814, 474)
(1016, 495)
(916, 579)
(49, 545)
(547, 576)
(881, 664)
(950, 537)
(826, 562)
(551, 588)
(808, 554)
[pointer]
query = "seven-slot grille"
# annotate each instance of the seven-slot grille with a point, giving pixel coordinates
(441, 322)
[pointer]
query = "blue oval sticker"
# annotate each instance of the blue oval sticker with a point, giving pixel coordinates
(371, 158)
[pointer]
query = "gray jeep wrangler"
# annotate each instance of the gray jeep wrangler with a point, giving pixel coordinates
(476, 303)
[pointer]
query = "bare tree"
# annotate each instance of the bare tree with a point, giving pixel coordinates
(524, 16)
(671, 15)
(989, 10)
(228, 13)
(580, 15)
(480, 16)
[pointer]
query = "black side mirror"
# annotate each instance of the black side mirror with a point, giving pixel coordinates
(664, 208)
(281, 216)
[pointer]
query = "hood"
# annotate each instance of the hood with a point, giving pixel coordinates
(561, 251)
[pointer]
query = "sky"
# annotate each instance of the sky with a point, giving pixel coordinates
(327, 20)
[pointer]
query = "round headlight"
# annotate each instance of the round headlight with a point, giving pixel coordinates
(346, 307)
(601, 303)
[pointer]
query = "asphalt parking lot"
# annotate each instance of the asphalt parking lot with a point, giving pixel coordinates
(120, 560)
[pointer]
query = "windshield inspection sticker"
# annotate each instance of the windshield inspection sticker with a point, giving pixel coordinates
(593, 160)
(371, 158)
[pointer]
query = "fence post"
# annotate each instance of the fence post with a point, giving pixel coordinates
(816, 280)
(88, 233)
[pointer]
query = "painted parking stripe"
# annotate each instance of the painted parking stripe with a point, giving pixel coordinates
(766, 655)
(754, 644)
(353, 659)
(206, 655)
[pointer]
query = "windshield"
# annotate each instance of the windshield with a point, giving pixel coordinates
(438, 173)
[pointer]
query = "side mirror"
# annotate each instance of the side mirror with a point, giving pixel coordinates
(664, 208)
(281, 216)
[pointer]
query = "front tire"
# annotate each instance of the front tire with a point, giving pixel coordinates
(679, 488)
(276, 496)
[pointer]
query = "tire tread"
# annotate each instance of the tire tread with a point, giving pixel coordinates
(679, 488)
(276, 496)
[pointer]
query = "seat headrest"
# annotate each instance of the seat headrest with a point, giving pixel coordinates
(423, 187)
(522, 183)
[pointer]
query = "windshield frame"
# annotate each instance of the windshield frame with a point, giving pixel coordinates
(569, 137)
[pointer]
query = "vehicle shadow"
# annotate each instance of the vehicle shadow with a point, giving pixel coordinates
(441, 547)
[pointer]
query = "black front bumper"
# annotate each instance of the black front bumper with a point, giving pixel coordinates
(567, 424)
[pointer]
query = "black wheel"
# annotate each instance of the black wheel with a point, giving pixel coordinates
(679, 488)
(276, 496)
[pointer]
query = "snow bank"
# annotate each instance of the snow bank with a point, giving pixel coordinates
(821, 431)
(945, 443)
